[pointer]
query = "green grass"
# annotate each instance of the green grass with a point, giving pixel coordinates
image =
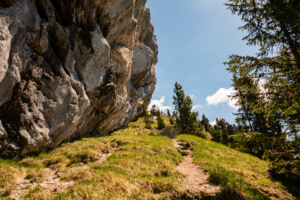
(230, 168)
(142, 166)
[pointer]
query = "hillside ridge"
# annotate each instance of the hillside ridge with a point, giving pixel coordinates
(138, 163)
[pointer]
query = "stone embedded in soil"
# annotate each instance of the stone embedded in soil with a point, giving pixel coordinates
(185, 152)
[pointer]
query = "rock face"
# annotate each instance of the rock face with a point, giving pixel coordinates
(70, 69)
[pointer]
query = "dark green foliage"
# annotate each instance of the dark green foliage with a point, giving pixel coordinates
(251, 142)
(160, 121)
(231, 193)
(222, 131)
(153, 110)
(146, 117)
(172, 122)
(205, 123)
(186, 119)
(216, 134)
(168, 113)
(272, 108)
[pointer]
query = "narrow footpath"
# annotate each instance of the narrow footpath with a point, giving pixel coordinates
(195, 179)
(51, 179)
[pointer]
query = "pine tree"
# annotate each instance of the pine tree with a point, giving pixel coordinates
(153, 110)
(160, 121)
(274, 25)
(205, 123)
(146, 117)
(172, 122)
(168, 113)
(186, 120)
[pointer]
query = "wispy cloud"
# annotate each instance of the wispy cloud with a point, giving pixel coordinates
(192, 96)
(213, 123)
(159, 103)
(196, 106)
(221, 96)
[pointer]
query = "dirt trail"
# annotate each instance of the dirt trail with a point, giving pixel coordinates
(195, 179)
(51, 179)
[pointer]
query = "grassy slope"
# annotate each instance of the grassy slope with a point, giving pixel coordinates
(231, 168)
(141, 167)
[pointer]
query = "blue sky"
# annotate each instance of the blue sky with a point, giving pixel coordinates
(194, 38)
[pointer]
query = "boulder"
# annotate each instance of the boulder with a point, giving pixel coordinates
(170, 131)
(70, 69)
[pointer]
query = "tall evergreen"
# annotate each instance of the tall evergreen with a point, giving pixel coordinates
(160, 121)
(272, 108)
(205, 123)
(186, 120)
(146, 116)
(153, 110)
(168, 113)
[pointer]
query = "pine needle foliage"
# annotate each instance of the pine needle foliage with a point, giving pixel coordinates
(160, 121)
(186, 119)
(146, 117)
(268, 86)
(172, 122)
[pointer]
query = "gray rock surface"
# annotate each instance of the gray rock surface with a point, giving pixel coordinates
(70, 69)
(170, 131)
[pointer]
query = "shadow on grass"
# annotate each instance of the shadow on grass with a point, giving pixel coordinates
(291, 184)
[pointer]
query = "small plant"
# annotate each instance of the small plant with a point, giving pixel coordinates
(30, 162)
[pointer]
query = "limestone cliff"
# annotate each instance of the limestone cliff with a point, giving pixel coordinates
(71, 68)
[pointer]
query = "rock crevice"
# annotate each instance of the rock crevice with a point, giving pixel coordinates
(70, 69)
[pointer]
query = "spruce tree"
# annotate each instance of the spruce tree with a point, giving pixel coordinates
(186, 120)
(274, 25)
(160, 121)
(205, 123)
(153, 110)
(146, 117)
(168, 113)
(172, 122)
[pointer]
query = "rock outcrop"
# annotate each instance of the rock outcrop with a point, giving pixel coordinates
(170, 131)
(70, 69)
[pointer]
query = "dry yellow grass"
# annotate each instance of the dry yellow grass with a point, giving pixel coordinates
(248, 173)
(142, 165)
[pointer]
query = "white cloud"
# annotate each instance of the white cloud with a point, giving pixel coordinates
(196, 106)
(213, 123)
(221, 96)
(203, 4)
(192, 96)
(159, 103)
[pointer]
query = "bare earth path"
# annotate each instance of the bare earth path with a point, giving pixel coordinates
(195, 179)
(52, 180)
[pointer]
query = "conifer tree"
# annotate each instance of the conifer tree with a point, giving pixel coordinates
(186, 120)
(274, 25)
(160, 121)
(146, 117)
(168, 113)
(153, 110)
(172, 121)
(205, 123)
